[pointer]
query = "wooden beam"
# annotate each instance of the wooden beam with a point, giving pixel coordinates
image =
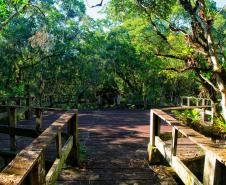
(213, 170)
(174, 141)
(182, 171)
(73, 131)
(12, 124)
(38, 119)
(55, 170)
(38, 173)
(58, 145)
(24, 162)
(25, 132)
(205, 143)
(154, 131)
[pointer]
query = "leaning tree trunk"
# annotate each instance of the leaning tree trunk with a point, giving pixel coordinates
(219, 72)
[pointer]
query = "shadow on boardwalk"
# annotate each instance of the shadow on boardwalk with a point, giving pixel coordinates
(116, 151)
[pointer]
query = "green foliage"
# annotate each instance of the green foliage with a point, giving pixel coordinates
(7, 6)
(188, 117)
(220, 127)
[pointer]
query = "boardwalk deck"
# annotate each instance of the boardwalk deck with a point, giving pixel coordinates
(116, 148)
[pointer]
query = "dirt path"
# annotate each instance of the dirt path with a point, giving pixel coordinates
(116, 148)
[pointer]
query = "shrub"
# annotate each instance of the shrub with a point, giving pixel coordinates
(188, 117)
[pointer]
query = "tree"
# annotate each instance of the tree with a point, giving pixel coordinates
(192, 23)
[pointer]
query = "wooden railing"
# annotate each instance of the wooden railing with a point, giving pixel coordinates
(215, 156)
(205, 102)
(10, 115)
(29, 164)
(49, 100)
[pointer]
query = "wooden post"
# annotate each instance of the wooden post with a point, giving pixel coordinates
(212, 112)
(12, 126)
(73, 131)
(174, 142)
(38, 173)
(203, 102)
(214, 171)
(28, 111)
(58, 145)
(197, 101)
(188, 101)
(154, 131)
(181, 101)
(38, 119)
(202, 114)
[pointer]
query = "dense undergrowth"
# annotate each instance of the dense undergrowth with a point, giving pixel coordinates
(192, 118)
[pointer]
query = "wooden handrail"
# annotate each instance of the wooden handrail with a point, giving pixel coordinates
(30, 161)
(214, 153)
(12, 129)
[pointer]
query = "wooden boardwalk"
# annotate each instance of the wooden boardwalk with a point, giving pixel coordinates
(115, 145)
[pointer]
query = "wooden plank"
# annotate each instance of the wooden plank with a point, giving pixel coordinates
(205, 143)
(12, 124)
(37, 174)
(213, 170)
(182, 171)
(183, 108)
(55, 170)
(174, 141)
(19, 131)
(38, 119)
(58, 145)
(154, 131)
(73, 131)
(23, 163)
(32, 107)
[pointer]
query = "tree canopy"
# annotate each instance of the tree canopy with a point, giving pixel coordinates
(143, 51)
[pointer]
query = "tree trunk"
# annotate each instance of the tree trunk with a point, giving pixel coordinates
(221, 83)
(223, 104)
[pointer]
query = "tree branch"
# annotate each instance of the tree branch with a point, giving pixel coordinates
(171, 56)
(93, 6)
(180, 70)
(4, 23)
(209, 82)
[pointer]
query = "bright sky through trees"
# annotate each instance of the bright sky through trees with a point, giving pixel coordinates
(95, 12)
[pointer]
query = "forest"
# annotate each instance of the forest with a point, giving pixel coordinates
(142, 55)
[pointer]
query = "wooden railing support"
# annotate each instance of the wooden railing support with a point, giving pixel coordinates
(154, 131)
(174, 142)
(58, 145)
(213, 170)
(28, 111)
(73, 131)
(12, 126)
(28, 167)
(215, 158)
(188, 101)
(202, 114)
(38, 119)
(38, 173)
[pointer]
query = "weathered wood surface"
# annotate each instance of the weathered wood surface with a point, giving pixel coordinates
(23, 163)
(116, 147)
(215, 154)
(183, 172)
(205, 143)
